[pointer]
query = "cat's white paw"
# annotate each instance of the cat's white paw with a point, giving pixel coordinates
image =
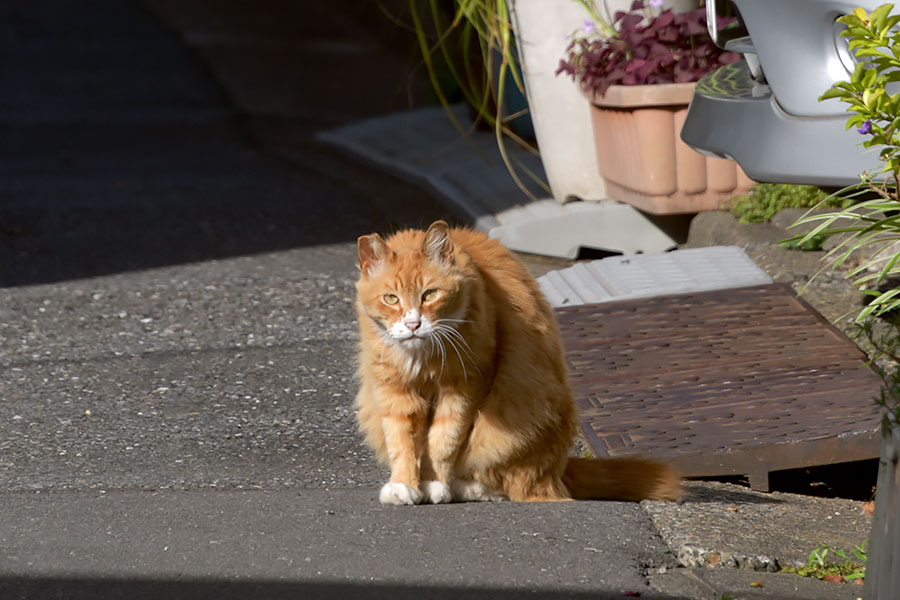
(473, 491)
(399, 493)
(436, 492)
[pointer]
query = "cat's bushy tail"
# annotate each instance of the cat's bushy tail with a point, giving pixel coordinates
(630, 479)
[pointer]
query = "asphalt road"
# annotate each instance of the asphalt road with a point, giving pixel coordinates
(176, 354)
(191, 426)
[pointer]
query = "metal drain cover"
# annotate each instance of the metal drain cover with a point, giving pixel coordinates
(730, 382)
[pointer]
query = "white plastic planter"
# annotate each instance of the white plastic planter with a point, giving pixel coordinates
(560, 113)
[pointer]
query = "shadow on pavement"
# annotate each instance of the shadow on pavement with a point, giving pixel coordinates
(125, 148)
(733, 495)
(151, 589)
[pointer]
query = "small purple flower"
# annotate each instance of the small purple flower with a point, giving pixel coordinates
(865, 128)
(588, 26)
(656, 3)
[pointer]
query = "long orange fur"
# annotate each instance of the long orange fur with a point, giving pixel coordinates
(464, 390)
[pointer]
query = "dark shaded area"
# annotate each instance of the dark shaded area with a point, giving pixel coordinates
(851, 480)
(854, 480)
(121, 150)
(735, 495)
(595, 253)
(15, 588)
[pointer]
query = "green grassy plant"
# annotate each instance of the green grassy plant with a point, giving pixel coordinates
(765, 199)
(813, 244)
(474, 53)
(850, 565)
(884, 338)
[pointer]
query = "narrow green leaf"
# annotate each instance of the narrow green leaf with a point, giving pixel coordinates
(877, 17)
(864, 52)
(833, 93)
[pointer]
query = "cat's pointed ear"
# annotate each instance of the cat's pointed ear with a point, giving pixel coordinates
(438, 246)
(373, 252)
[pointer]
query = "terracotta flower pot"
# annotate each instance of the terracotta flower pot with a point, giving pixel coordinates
(643, 160)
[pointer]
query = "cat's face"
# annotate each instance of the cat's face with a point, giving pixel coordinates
(411, 290)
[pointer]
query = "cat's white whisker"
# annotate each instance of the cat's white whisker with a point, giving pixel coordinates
(449, 331)
(384, 338)
(453, 344)
(456, 334)
(440, 344)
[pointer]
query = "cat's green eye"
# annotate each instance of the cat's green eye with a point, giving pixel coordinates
(429, 295)
(391, 299)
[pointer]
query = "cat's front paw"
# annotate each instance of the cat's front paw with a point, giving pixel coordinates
(436, 492)
(473, 491)
(399, 493)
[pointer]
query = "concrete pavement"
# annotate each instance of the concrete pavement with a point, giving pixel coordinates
(333, 541)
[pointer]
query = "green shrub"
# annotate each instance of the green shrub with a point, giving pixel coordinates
(870, 226)
(766, 199)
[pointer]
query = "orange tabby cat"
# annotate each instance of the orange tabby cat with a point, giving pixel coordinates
(464, 388)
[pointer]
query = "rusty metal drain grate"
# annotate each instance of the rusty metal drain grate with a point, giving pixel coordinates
(731, 382)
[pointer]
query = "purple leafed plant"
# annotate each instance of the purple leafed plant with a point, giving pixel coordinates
(666, 48)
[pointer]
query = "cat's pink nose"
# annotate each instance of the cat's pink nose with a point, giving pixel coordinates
(412, 325)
